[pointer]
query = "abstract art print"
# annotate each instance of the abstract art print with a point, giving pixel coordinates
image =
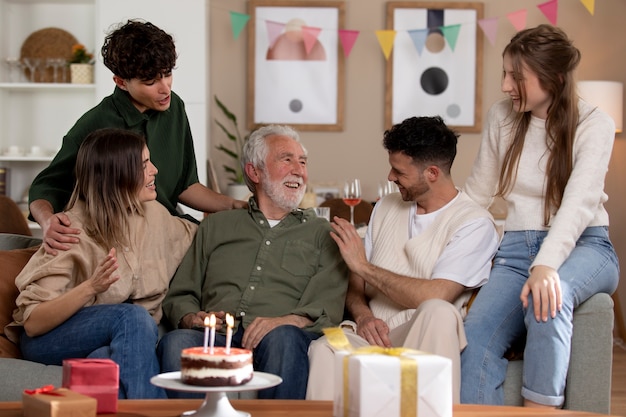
(435, 67)
(295, 65)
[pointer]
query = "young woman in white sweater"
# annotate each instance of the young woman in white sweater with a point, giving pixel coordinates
(546, 153)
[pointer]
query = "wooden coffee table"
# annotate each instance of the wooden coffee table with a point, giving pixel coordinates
(290, 408)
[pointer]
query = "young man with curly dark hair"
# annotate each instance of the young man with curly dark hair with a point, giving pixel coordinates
(141, 57)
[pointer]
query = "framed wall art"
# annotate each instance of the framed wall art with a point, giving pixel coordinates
(295, 66)
(435, 67)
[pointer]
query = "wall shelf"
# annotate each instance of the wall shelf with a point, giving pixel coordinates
(45, 86)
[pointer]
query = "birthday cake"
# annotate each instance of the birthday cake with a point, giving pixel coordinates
(200, 367)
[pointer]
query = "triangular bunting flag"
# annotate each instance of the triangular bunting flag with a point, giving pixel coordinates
(590, 5)
(490, 28)
(238, 22)
(418, 36)
(348, 38)
(310, 35)
(385, 39)
(274, 29)
(451, 34)
(518, 19)
(549, 9)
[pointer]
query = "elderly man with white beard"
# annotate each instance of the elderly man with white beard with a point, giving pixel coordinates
(274, 267)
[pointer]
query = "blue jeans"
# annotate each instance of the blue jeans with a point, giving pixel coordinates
(496, 319)
(126, 333)
(282, 352)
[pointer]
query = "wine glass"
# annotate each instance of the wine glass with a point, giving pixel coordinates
(386, 187)
(32, 64)
(352, 195)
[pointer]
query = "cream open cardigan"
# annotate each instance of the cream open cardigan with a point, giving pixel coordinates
(414, 257)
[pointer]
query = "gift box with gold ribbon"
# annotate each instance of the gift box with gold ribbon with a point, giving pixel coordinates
(57, 402)
(389, 382)
(97, 378)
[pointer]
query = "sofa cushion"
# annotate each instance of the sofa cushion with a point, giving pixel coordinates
(18, 375)
(12, 262)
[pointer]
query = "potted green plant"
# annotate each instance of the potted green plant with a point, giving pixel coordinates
(236, 187)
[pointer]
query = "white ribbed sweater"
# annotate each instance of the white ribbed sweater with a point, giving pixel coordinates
(583, 201)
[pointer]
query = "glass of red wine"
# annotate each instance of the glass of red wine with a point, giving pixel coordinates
(352, 195)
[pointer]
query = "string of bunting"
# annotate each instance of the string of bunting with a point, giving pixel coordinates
(386, 38)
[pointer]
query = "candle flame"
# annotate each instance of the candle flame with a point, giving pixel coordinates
(230, 321)
(207, 321)
(212, 320)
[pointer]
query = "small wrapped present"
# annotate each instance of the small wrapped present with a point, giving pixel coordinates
(50, 402)
(97, 378)
(389, 382)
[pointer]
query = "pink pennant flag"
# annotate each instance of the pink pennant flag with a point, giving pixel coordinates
(518, 19)
(549, 9)
(490, 28)
(348, 38)
(310, 35)
(274, 29)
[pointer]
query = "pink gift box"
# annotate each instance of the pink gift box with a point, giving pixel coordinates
(97, 378)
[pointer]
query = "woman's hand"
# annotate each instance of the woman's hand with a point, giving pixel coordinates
(103, 277)
(545, 285)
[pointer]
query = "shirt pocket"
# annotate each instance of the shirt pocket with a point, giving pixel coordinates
(300, 258)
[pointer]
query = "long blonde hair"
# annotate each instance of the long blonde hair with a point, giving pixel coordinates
(547, 52)
(109, 174)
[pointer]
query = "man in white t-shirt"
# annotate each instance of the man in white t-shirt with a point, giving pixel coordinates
(426, 249)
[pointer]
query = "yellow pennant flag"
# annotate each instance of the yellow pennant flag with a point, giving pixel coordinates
(589, 4)
(385, 39)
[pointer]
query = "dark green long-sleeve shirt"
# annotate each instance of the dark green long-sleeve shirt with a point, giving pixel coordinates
(238, 264)
(168, 136)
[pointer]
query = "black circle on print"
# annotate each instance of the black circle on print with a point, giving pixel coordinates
(434, 81)
(295, 105)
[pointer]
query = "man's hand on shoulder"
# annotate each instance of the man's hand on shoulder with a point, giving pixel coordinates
(57, 233)
(56, 230)
(240, 204)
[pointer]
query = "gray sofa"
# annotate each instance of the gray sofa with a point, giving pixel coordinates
(588, 381)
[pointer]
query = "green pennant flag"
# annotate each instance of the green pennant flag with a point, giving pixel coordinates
(451, 33)
(238, 22)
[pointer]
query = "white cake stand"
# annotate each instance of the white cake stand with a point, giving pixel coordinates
(216, 403)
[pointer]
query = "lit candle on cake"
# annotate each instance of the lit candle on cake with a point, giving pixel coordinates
(229, 331)
(207, 322)
(212, 327)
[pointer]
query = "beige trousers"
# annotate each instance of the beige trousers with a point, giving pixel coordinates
(436, 327)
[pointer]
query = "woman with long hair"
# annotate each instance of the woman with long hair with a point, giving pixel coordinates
(545, 152)
(102, 297)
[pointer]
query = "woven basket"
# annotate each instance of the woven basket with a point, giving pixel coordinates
(48, 43)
